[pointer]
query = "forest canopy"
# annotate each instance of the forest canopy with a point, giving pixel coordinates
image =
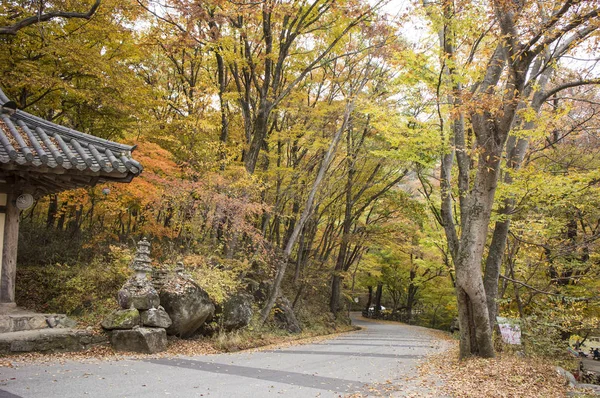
(440, 158)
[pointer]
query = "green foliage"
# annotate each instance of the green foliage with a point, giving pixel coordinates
(541, 336)
(86, 291)
(219, 277)
(76, 72)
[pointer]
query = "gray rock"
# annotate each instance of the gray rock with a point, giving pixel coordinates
(122, 319)
(285, 317)
(51, 321)
(237, 311)
(593, 387)
(567, 375)
(187, 304)
(28, 321)
(65, 322)
(37, 322)
(156, 317)
(138, 294)
(144, 340)
(5, 324)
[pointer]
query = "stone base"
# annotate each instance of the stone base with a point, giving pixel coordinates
(19, 321)
(144, 340)
(7, 307)
(48, 340)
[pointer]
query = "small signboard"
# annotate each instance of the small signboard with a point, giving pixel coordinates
(510, 330)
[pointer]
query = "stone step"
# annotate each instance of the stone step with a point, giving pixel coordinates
(49, 340)
(22, 321)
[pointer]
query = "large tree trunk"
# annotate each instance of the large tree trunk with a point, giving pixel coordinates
(474, 318)
(498, 245)
(491, 123)
(516, 149)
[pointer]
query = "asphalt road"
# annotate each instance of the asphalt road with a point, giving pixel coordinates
(368, 362)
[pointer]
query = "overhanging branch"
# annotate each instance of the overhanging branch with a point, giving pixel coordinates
(565, 86)
(13, 29)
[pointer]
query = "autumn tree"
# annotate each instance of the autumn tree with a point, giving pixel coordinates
(490, 73)
(265, 50)
(550, 263)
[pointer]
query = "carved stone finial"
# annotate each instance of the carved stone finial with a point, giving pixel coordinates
(141, 261)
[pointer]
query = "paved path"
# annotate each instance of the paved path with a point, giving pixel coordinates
(362, 362)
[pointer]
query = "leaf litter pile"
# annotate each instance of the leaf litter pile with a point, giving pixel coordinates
(506, 376)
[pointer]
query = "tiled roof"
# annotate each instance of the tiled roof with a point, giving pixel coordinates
(31, 144)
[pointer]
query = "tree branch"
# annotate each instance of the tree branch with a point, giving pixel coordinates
(13, 29)
(576, 22)
(528, 286)
(565, 86)
(549, 24)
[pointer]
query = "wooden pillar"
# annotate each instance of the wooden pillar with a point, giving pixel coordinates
(9, 251)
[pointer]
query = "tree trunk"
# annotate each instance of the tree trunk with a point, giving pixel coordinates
(516, 149)
(308, 210)
(472, 302)
(370, 299)
(378, 294)
(52, 209)
(336, 281)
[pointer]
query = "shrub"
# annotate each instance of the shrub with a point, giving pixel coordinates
(86, 291)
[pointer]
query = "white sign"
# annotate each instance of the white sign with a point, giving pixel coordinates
(510, 330)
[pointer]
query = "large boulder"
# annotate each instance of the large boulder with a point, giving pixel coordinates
(237, 311)
(144, 340)
(156, 317)
(285, 317)
(138, 294)
(187, 304)
(122, 319)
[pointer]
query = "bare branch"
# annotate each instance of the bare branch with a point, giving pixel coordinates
(528, 286)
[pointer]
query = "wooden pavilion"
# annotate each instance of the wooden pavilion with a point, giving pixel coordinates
(38, 157)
